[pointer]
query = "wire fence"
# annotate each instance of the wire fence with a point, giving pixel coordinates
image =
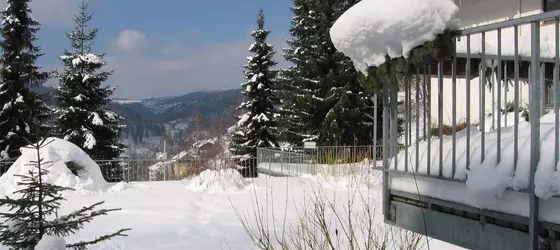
(302, 161)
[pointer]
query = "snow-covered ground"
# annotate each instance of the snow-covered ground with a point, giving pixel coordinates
(200, 212)
(199, 215)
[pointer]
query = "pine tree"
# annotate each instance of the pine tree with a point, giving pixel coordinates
(35, 213)
(323, 98)
(83, 117)
(18, 74)
(257, 127)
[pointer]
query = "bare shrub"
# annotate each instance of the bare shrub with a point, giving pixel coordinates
(325, 221)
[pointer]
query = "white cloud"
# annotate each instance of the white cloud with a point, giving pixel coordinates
(129, 41)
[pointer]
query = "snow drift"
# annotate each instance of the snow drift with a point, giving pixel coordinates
(56, 156)
(486, 180)
(372, 29)
(221, 180)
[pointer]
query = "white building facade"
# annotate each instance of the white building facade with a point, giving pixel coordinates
(474, 13)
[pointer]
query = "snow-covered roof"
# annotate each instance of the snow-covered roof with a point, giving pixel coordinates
(372, 29)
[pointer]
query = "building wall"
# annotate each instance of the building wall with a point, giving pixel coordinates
(474, 104)
(480, 12)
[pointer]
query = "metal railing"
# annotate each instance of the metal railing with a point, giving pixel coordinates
(302, 161)
(469, 110)
(140, 170)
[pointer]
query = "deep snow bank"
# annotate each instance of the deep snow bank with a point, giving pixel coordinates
(372, 29)
(55, 155)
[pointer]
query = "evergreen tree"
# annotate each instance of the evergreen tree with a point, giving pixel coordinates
(83, 117)
(323, 98)
(35, 213)
(257, 127)
(18, 104)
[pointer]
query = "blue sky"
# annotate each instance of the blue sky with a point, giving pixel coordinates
(167, 47)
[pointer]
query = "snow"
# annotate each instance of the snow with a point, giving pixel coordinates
(373, 29)
(168, 215)
(86, 58)
(80, 98)
(486, 181)
(243, 119)
(49, 242)
(112, 116)
(10, 19)
(218, 180)
(96, 119)
(55, 156)
(86, 77)
(90, 141)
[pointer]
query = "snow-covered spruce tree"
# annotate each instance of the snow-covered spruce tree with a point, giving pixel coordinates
(83, 117)
(257, 127)
(18, 104)
(323, 99)
(34, 213)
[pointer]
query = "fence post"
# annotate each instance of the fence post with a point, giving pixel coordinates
(165, 160)
(374, 99)
(535, 104)
(386, 110)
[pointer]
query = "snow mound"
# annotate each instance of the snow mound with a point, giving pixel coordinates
(49, 242)
(55, 155)
(372, 29)
(218, 180)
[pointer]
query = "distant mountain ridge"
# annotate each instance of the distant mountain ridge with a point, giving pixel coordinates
(149, 117)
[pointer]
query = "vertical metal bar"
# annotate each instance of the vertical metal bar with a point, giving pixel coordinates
(425, 101)
(506, 88)
(499, 83)
(375, 129)
(555, 94)
(542, 83)
(482, 98)
(406, 122)
(535, 133)
(493, 93)
(386, 149)
(529, 71)
(417, 119)
(454, 110)
(409, 111)
(394, 121)
(429, 118)
(516, 97)
(440, 117)
(468, 86)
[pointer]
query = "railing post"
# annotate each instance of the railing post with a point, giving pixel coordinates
(386, 109)
(374, 99)
(535, 106)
